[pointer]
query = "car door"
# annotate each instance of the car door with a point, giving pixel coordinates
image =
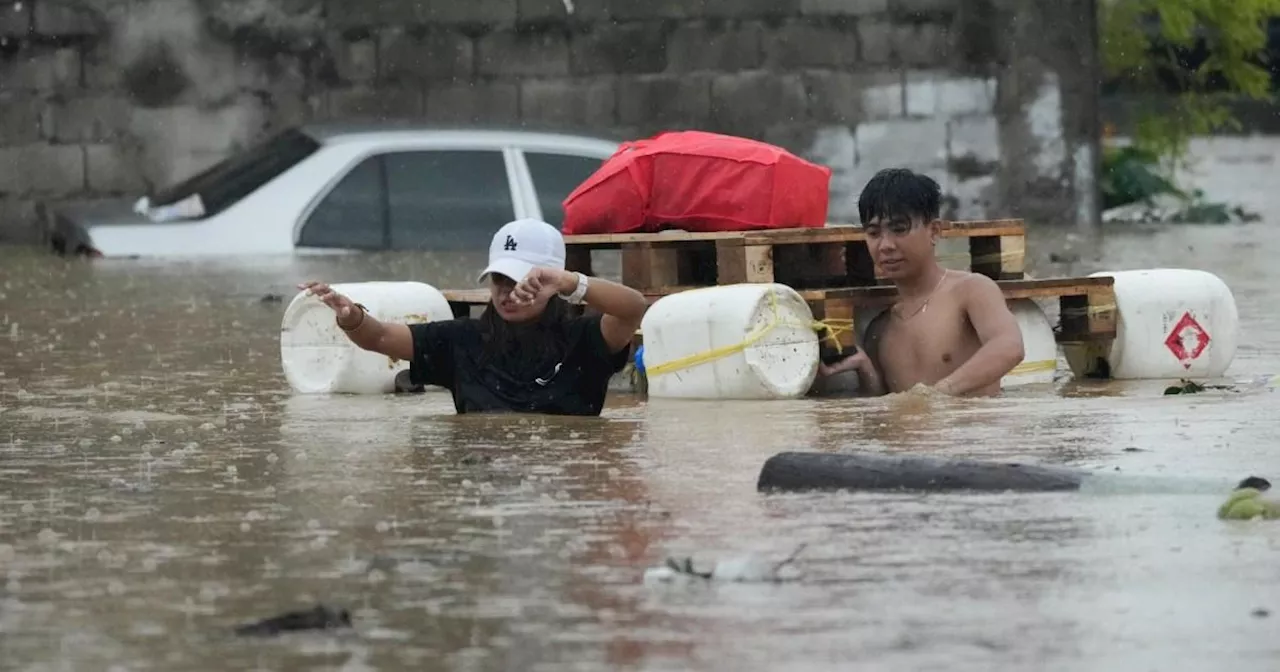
(553, 175)
(428, 198)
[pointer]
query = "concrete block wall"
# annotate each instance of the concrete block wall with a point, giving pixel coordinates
(994, 98)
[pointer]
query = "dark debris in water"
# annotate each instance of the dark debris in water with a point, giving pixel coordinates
(473, 459)
(319, 617)
(1185, 386)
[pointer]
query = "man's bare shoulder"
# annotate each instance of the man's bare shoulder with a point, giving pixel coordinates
(972, 285)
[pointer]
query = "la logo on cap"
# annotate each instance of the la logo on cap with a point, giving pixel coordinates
(510, 245)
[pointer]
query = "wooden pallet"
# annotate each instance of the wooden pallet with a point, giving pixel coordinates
(1087, 306)
(835, 256)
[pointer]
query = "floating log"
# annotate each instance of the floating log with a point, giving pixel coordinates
(800, 471)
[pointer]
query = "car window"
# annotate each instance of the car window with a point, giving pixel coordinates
(447, 199)
(555, 176)
(242, 173)
(352, 214)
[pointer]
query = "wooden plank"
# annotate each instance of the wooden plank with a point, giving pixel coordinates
(578, 259)
(828, 234)
(998, 257)
(645, 266)
(842, 310)
(737, 263)
(1101, 288)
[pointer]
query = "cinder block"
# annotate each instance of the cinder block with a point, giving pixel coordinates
(19, 222)
(843, 7)
(975, 137)
(625, 10)
(620, 48)
(966, 95)
(20, 118)
(15, 19)
(936, 92)
(800, 44)
(343, 14)
(924, 44)
(434, 55)
(591, 103)
(918, 9)
(94, 118)
(747, 103)
(356, 61)
(541, 54)
(848, 98)
(64, 18)
(903, 142)
(749, 9)
(41, 170)
(112, 169)
(875, 40)
(664, 100)
(380, 103)
(717, 46)
(473, 102)
(41, 69)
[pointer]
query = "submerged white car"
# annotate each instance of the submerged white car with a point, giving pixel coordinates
(345, 187)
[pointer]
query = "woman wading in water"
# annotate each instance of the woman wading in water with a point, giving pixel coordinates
(526, 353)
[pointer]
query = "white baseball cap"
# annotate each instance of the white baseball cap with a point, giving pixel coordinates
(521, 245)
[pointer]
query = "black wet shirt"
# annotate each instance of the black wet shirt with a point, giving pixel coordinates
(448, 354)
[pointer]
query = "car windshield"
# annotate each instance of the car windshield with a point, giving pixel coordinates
(240, 174)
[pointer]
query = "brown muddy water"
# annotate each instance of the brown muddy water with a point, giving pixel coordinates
(161, 485)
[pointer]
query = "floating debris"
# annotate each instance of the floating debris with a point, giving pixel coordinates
(1247, 502)
(748, 569)
(318, 617)
(1185, 386)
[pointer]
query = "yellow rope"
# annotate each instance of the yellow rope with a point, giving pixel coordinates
(832, 327)
(1037, 366)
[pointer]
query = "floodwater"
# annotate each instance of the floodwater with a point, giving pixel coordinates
(161, 485)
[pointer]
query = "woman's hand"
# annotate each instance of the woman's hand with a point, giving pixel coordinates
(543, 283)
(343, 306)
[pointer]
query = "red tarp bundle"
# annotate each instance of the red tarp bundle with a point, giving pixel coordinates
(699, 181)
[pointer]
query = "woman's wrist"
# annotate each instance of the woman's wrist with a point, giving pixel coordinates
(567, 283)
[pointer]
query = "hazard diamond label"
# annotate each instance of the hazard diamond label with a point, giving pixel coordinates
(1188, 340)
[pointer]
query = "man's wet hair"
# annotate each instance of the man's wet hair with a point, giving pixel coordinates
(899, 192)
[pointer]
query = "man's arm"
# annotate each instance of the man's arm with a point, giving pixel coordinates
(1002, 349)
(870, 381)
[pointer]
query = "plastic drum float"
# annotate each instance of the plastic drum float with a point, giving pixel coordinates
(1172, 323)
(1040, 347)
(743, 341)
(318, 357)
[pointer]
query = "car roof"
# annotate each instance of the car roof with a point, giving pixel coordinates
(336, 132)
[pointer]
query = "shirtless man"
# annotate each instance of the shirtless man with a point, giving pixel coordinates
(949, 329)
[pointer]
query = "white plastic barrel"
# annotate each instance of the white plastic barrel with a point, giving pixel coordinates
(694, 343)
(1171, 323)
(318, 357)
(1040, 348)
